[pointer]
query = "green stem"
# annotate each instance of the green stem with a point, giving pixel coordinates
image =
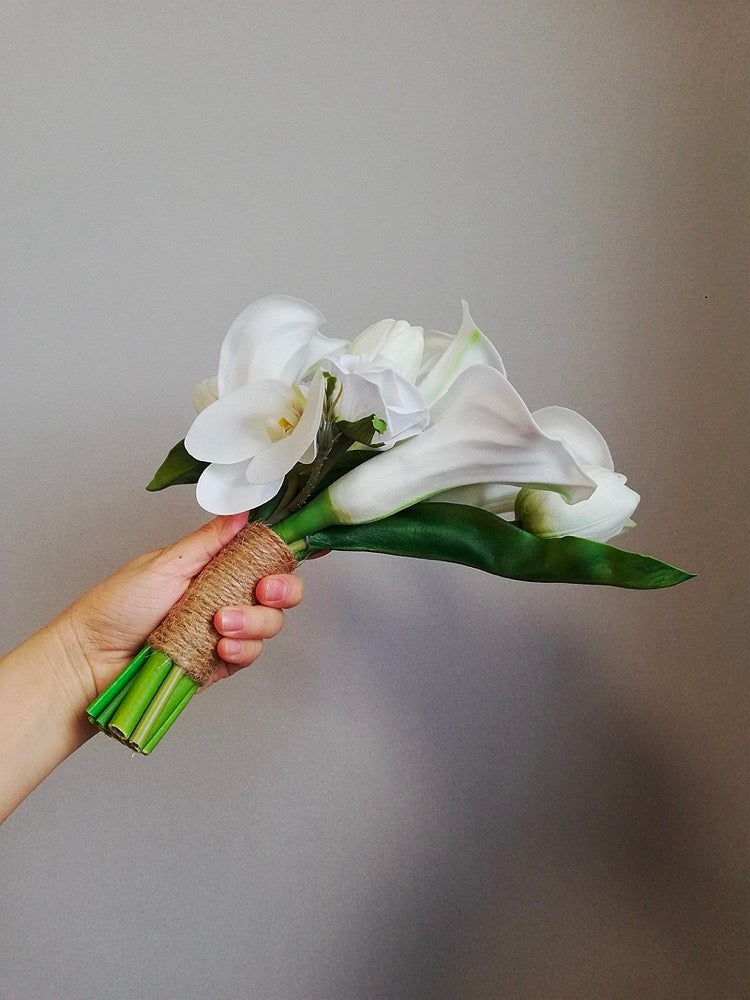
(137, 700)
(162, 730)
(324, 461)
(118, 683)
(102, 720)
(150, 718)
(318, 514)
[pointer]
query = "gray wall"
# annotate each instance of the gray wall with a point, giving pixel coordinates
(435, 784)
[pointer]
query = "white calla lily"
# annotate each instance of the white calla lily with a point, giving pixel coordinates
(373, 387)
(497, 498)
(603, 515)
(445, 357)
(606, 512)
(578, 434)
(480, 431)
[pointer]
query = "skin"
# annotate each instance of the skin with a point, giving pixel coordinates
(47, 682)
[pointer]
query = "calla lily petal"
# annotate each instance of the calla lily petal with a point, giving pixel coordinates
(436, 343)
(581, 438)
(235, 426)
(468, 348)
(275, 461)
(223, 489)
(480, 431)
(263, 340)
(497, 498)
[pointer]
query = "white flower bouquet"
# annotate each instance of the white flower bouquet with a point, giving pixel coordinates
(400, 441)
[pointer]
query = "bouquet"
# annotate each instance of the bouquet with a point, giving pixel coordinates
(400, 441)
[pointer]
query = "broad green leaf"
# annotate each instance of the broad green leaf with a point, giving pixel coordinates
(461, 534)
(178, 467)
(362, 430)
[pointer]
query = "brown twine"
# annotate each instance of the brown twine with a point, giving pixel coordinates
(187, 635)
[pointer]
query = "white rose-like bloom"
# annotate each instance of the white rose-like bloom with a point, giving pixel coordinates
(395, 343)
(263, 420)
(374, 387)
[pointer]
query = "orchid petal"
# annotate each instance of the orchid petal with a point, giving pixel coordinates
(580, 437)
(235, 426)
(223, 489)
(481, 431)
(468, 348)
(307, 357)
(275, 461)
(263, 340)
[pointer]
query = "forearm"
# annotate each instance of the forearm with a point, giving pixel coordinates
(42, 706)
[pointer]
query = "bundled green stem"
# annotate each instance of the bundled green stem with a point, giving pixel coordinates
(141, 704)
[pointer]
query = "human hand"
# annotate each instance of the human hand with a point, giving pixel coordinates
(106, 625)
(47, 682)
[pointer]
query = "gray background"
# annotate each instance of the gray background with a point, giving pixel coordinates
(435, 784)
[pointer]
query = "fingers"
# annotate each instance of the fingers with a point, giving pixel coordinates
(249, 622)
(244, 627)
(284, 590)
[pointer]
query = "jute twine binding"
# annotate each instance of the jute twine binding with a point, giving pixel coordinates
(187, 635)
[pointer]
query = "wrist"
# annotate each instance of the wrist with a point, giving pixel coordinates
(42, 701)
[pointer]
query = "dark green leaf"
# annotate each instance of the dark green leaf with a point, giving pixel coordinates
(178, 467)
(362, 430)
(474, 537)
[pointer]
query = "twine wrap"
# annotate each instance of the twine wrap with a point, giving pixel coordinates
(187, 634)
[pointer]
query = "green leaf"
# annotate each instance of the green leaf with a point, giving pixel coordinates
(178, 467)
(474, 537)
(362, 430)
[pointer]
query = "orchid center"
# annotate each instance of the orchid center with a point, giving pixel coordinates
(281, 426)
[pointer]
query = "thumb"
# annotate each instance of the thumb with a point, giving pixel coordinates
(190, 554)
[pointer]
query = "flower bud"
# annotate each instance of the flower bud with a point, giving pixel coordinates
(605, 514)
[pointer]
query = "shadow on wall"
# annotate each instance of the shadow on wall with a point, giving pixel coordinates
(571, 858)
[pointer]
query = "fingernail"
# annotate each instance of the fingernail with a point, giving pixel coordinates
(232, 647)
(231, 620)
(274, 589)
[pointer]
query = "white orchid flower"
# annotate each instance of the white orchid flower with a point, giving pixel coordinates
(264, 420)
(276, 337)
(367, 388)
(606, 512)
(446, 356)
(480, 431)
